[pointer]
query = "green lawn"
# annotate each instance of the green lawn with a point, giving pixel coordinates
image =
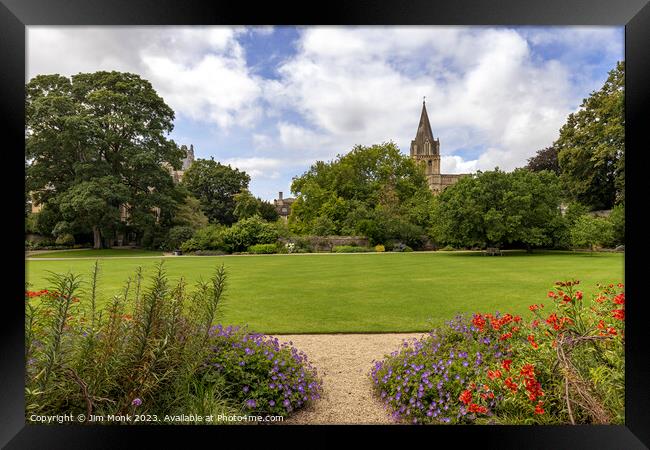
(90, 253)
(388, 292)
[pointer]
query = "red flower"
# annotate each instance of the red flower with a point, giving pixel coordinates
(551, 294)
(505, 336)
(478, 321)
(619, 299)
(506, 364)
(539, 409)
(477, 409)
(531, 339)
(528, 370)
(533, 307)
(465, 397)
(601, 325)
(618, 314)
(611, 331)
(510, 384)
(492, 374)
(579, 295)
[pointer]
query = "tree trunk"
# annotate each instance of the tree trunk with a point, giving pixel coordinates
(97, 238)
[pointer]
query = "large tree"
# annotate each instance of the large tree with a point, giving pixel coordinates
(591, 146)
(96, 141)
(494, 208)
(215, 185)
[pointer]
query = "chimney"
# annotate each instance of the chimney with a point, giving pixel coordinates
(280, 195)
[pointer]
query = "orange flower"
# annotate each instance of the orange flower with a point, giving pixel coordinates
(477, 408)
(465, 397)
(538, 408)
(492, 374)
(618, 314)
(510, 384)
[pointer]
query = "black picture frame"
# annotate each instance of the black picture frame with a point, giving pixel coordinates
(15, 15)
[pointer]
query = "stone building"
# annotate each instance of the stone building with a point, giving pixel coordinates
(283, 205)
(177, 175)
(426, 151)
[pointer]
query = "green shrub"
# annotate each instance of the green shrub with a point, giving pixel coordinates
(263, 249)
(66, 239)
(351, 249)
(207, 238)
(140, 354)
(177, 235)
(448, 248)
(247, 232)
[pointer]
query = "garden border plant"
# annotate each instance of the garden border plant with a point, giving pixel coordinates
(564, 367)
(153, 351)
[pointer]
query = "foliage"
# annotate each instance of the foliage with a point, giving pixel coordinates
(208, 238)
(564, 367)
(263, 249)
(588, 231)
(264, 376)
(617, 220)
(247, 232)
(494, 207)
(96, 141)
(351, 249)
(375, 191)
(422, 380)
(380, 248)
(215, 185)
(189, 214)
(545, 159)
(140, 354)
(246, 205)
(591, 146)
(65, 239)
(177, 235)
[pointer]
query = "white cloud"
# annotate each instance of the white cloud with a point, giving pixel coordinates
(257, 167)
(201, 72)
(484, 88)
(487, 88)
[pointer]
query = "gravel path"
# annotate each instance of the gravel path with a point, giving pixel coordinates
(344, 362)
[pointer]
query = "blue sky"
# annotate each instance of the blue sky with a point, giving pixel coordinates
(273, 100)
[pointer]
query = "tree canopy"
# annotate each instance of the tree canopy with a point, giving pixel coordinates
(591, 146)
(494, 208)
(96, 141)
(376, 191)
(215, 185)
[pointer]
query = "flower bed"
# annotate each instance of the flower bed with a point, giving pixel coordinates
(153, 351)
(266, 376)
(562, 366)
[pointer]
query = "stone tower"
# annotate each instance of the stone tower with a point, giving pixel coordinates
(425, 149)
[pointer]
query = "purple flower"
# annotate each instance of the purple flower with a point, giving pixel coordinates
(245, 389)
(251, 403)
(136, 402)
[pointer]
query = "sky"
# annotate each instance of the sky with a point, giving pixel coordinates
(274, 100)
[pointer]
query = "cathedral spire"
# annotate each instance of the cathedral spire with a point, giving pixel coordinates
(424, 128)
